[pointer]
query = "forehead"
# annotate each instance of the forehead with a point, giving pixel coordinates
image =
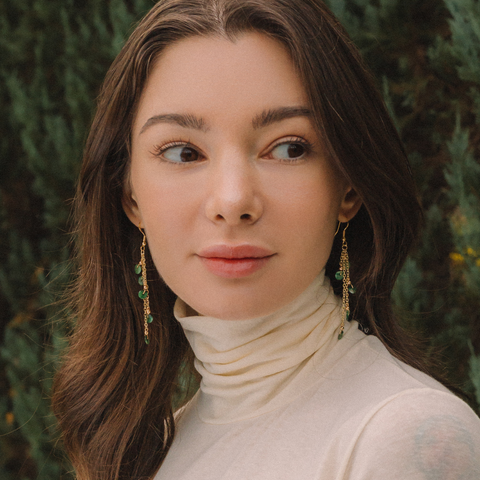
(213, 75)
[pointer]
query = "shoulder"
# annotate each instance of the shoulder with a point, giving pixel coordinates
(407, 425)
(363, 366)
(397, 422)
(418, 434)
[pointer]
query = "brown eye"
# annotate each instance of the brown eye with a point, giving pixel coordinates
(181, 154)
(289, 151)
(295, 150)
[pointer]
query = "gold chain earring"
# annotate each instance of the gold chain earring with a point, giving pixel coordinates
(141, 269)
(344, 274)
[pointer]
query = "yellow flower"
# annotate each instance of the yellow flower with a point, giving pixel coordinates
(457, 258)
(471, 252)
(10, 418)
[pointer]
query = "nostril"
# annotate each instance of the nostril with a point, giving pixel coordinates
(246, 216)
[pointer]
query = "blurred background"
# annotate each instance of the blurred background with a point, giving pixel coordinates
(54, 55)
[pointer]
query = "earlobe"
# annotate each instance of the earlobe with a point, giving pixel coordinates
(350, 205)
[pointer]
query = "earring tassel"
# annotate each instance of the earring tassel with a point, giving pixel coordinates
(344, 274)
(141, 269)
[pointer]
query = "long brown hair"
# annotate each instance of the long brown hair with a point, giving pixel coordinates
(113, 395)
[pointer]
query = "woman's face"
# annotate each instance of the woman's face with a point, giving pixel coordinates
(228, 178)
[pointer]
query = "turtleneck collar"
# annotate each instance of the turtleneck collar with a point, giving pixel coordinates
(250, 367)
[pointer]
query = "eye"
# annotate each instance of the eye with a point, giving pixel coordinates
(291, 150)
(178, 153)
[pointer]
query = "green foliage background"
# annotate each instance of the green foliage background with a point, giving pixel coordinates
(426, 56)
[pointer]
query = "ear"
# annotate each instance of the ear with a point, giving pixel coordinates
(130, 205)
(350, 205)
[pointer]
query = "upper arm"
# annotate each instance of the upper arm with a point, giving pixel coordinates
(419, 435)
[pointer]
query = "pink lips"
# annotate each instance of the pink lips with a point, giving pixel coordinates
(234, 261)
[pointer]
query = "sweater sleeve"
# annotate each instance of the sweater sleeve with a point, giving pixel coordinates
(421, 434)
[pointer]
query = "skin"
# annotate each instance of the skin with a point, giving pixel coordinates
(237, 187)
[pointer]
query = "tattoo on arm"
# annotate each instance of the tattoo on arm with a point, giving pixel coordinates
(444, 449)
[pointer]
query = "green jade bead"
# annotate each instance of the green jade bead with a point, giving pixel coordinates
(140, 280)
(352, 289)
(149, 319)
(147, 341)
(138, 269)
(340, 335)
(339, 275)
(143, 294)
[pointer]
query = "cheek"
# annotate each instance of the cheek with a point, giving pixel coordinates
(161, 200)
(168, 223)
(167, 230)
(312, 205)
(166, 212)
(309, 218)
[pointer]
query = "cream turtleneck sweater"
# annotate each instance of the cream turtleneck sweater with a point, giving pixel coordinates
(281, 398)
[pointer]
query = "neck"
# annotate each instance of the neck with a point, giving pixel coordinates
(250, 367)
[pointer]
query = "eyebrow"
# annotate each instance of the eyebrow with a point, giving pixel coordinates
(267, 117)
(262, 120)
(186, 121)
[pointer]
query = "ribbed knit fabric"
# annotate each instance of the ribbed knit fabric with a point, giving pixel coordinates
(282, 398)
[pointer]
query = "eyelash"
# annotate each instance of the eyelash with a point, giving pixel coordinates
(305, 144)
(160, 149)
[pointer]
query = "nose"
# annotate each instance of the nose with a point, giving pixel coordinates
(233, 197)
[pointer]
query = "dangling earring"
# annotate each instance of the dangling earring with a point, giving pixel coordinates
(141, 268)
(344, 274)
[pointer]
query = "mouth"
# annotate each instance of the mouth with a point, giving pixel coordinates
(235, 261)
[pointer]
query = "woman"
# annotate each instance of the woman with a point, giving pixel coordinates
(232, 140)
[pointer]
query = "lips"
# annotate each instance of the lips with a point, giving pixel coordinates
(235, 261)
